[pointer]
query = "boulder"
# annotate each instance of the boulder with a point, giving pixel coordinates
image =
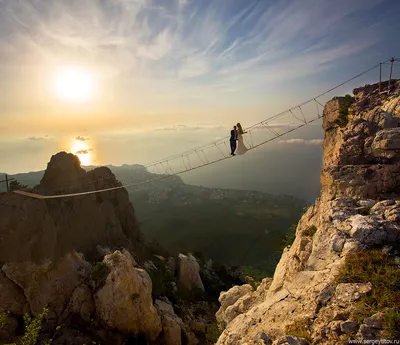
(12, 298)
(229, 307)
(350, 292)
(189, 280)
(124, 302)
(171, 323)
(81, 303)
(386, 143)
(375, 321)
(48, 284)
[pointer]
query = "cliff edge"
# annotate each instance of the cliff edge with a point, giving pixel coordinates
(316, 295)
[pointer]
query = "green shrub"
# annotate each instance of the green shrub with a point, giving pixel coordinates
(309, 232)
(99, 274)
(343, 118)
(300, 328)
(213, 332)
(33, 327)
(383, 273)
(289, 238)
(3, 319)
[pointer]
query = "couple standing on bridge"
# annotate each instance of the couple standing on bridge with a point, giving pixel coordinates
(237, 135)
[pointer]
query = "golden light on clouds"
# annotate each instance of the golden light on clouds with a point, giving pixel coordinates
(74, 84)
(83, 152)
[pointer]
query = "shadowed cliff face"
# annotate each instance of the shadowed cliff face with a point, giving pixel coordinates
(358, 210)
(34, 230)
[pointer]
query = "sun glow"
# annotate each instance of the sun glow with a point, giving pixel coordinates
(83, 152)
(74, 84)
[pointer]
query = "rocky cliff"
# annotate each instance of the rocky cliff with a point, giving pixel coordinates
(34, 230)
(328, 285)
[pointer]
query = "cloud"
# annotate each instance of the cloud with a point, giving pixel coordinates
(194, 67)
(161, 49)
(302, 141)
(82, 138)
(83, 152)
(38, 138)
(195, 127)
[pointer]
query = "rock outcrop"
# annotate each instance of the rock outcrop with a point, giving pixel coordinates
(36, 230)
(359, 208)
(48, 284)
(125, 302)
(189, 280)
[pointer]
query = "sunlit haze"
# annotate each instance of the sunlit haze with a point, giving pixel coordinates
(132, 81)
(73, 84)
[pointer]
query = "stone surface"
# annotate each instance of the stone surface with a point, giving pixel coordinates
(289, 340)
(349, 327)
(48, 284)
(189, 274)
(81, 303)
(171, 323)
(375, 321)
(125, 302)
(12, 298)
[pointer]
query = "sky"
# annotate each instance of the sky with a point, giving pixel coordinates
(131, 81)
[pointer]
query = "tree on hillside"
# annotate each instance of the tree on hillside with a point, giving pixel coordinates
(15, 185)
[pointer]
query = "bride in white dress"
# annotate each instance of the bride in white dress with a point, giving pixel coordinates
(241, 147)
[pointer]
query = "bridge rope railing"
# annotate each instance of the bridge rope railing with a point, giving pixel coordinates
(216, 151)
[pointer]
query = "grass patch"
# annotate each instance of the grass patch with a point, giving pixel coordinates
(99, 274)
(300, 328)
(3, 319)
(213, 332)
(309, 232)
(383, 273)
(343, 118)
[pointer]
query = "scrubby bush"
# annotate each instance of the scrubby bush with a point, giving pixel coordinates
(300, 328)
(381, 270)
(289, 238)
(343, 118)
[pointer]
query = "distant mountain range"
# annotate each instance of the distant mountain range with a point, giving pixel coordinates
(230, 226)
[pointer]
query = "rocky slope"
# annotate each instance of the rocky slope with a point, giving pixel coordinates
(358, 210)
(77, 271)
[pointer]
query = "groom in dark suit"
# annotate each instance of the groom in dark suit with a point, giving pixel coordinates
(232, 140)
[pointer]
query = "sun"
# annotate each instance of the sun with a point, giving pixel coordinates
(73, 84)
(83, 152)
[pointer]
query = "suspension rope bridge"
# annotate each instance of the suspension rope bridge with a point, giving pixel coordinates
(216, 151)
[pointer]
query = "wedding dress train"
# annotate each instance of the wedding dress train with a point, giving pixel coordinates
(241, 147)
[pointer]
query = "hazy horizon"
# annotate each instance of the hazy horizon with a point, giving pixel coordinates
(133, 81)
